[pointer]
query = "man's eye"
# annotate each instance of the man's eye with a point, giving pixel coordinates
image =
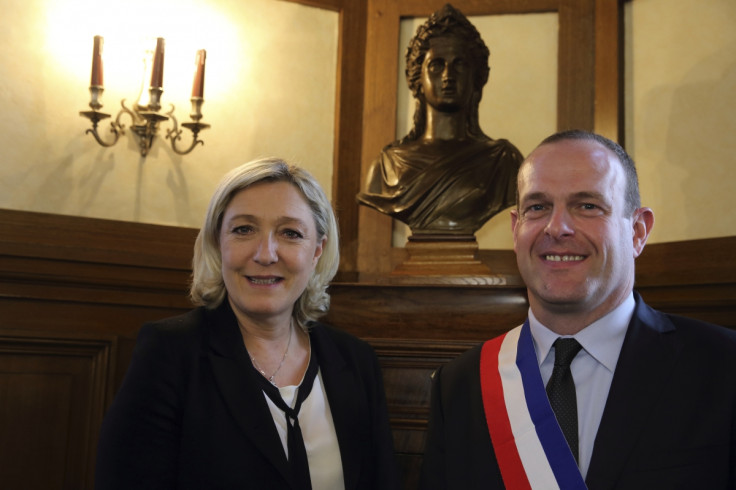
(534, 210)
(590, 208)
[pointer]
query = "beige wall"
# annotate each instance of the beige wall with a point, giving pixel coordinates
(681, 113)
(269, 90)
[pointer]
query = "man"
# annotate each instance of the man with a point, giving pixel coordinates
(648, 400)
(446, 177)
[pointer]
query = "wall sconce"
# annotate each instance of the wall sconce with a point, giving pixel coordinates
(144, 115)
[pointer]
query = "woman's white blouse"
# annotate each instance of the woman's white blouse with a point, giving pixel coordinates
(318, 432)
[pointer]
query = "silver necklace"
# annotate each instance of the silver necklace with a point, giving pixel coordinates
(283, 358)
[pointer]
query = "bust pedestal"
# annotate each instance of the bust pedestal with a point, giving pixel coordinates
(444, 259)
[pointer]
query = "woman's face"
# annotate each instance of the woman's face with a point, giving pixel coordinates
(269, 247)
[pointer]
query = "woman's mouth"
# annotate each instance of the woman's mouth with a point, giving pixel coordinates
(263, 281)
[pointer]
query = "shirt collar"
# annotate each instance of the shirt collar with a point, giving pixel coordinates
(602, 339)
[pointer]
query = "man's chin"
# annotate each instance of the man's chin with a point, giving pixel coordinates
(562, 302)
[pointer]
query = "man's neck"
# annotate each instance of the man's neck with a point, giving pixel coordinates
(568, 320)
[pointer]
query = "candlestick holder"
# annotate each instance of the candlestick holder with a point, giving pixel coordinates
(145, 121)
(195, 127)
(96, 116)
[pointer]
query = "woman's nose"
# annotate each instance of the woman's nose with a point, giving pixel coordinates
(266, 251)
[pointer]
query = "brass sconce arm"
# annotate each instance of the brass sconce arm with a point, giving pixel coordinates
(195, 127)
(96, 117)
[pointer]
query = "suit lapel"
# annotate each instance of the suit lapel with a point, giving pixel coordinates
(241, 392)
(645, 364)
(345, 402)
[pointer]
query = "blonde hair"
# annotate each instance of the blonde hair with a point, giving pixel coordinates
(208, 287)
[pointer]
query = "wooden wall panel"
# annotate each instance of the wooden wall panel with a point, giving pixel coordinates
(407, 369)
(54, 390)
(73, 299)
(73, 294)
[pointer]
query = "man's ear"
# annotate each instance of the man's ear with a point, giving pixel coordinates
(642, 224)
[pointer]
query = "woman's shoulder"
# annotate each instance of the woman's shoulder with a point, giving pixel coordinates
(344, 341)
(179, 325)
(174, 332)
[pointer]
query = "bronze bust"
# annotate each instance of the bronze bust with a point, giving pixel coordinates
(446, 177)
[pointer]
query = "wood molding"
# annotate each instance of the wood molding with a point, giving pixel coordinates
(694, 278)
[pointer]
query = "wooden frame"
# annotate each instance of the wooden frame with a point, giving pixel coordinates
(589, 92)
(348, 121)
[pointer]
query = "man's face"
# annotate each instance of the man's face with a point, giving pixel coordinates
(575, 242)
(446, 81)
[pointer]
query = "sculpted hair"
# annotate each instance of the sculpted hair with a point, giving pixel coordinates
(208, 288)
(632, 197)
(448, 21)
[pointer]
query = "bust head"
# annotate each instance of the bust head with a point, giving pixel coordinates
(451, 25)
(446, 83)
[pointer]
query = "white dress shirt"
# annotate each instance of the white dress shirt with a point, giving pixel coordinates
(592, 369)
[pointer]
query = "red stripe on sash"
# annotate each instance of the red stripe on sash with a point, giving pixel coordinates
(499, 427)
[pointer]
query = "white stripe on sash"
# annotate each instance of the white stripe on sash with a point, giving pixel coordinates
(530, 449)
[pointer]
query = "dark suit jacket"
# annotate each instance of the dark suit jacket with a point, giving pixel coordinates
(190, 413)
(669, 421)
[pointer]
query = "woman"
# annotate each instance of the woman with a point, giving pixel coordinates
(206, 399)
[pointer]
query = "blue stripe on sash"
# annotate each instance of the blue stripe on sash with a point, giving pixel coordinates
(555, 446)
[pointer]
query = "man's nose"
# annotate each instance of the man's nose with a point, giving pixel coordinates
(560, 223)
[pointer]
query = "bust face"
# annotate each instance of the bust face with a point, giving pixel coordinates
(447, 75)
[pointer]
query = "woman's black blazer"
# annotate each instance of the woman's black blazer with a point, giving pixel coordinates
(190, 413)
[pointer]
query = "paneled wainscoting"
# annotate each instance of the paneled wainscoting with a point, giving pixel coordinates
(74, 292)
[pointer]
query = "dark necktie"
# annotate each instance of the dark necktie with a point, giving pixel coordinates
(561, 391)
(298, 463)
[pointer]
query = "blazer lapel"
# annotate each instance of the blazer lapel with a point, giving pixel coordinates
(240, 390)
(645, 364)
(345, 402)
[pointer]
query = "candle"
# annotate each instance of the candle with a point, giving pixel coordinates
(198, 85)
(96, 79)
(157, 74)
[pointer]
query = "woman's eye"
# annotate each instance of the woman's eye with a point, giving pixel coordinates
(293, 234)
(242, 229)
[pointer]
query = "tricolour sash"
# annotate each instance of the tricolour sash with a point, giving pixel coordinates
(530, 448)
